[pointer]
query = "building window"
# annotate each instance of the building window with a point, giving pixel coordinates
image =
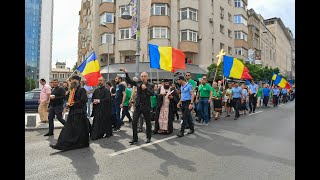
(54, 75)
(159, 32)
(158, 9)
(61, 76)
(122, 8)
(221, 12)
(107, 18)
(188, 35)
(130, 59)
(189, 13)
(125, 34)
(229, 17)
(240, 35)
(222, 29)
(221, 46)
(229, 50)
(107, 38)
(241, 52)
(238, 19)
(102, 1)
(229, 33)
(237, 3)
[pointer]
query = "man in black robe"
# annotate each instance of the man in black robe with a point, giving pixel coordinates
(102, 124)
(75, 133)
(173, 96)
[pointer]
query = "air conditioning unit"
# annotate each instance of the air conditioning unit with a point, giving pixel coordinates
(211, 20)
(199, 37)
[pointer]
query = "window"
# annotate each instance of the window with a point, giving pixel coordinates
(188, 35)
(240, 35)
(229, 50)
(221, 46)
(229, 17)
(160, 9)
(222, 29)
(189, 13)
(229, 33)
(125, 34)
(159, 32)
(54, 75)
(102, 1)
(238, 19)
(107, 38)
(122, 8)
(237, 3)
(241, 52)
(130, 59)
(61, 76)
(107, 18)
(221, 12)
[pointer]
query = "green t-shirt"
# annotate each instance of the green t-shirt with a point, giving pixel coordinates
(215, 94)
(153, 100)
(259, 93)
(128, 96)
(204, 90)
(193, 83)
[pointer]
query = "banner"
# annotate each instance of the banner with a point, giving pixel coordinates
(134, 18)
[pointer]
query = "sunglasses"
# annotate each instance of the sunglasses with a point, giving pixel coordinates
(187, 75)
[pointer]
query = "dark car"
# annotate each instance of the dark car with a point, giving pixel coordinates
(31, 100)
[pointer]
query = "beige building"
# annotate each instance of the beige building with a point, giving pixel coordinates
(60, 72)
(261, 42)
(284, 37)
(240, 19)
(200, 32)
(293, 49)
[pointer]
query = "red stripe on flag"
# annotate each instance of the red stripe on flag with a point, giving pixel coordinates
(178, 59)
(245, 74)
(92, 78)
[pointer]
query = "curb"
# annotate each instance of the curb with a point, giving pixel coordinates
(40, 128)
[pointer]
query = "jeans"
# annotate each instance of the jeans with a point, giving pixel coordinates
(186, 116)
(266, 101)
(203, 109)
(55, 111)
(119, 120)
(236, 102)
(89, 107)
(275, 100)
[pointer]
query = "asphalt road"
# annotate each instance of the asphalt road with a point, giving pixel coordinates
(256, 146)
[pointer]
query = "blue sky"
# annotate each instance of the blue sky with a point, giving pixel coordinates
(66, 22)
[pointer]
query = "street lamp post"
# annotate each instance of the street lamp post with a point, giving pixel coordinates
(104, 25)
(126, 15)
(30, 80)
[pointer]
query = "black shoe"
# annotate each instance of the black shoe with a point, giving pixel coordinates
(253, 112)
(180, 134)
(235, 118)
(49, 134)
(148, 140)
(132, 142)
(250, 112)
(191, 132)
(228, 115)
(56, 147)
(154, 132)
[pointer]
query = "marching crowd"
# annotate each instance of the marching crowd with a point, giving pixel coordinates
(161, 103)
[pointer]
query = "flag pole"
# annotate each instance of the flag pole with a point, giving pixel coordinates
(151, 74)
(72, 74)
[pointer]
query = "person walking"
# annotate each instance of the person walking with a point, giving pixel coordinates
(44, 101)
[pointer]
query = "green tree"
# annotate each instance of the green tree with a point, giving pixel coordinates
(29, 84)
(75, 67)
(212, 68)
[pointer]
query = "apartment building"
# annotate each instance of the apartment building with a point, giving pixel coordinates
(261, 42)
(240, 19)
(284, 37)
(200, 28)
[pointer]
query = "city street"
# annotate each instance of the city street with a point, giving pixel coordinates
(256, 146)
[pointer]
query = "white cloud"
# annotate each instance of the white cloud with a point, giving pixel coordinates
(65, 31)
(284, 9)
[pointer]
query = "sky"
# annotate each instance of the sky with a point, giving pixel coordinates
(66, 22)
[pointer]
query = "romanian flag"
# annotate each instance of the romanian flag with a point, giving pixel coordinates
(166, 58)
(90, 69)
(274, 76)
(281, 82)
(234, 68)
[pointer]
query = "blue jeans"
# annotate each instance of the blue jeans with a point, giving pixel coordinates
(203, 109)
(88, 107)
(119, 120)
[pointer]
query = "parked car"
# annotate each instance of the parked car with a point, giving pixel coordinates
(31, 100)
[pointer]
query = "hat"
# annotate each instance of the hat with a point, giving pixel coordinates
(181, 78)
(166, 80)
(76, 77)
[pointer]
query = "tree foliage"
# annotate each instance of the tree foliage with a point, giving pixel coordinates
(29, 84)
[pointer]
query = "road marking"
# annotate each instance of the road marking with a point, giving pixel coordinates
(255, 113)
(143, 145)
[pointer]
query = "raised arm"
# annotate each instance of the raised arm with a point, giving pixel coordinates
(128, 79)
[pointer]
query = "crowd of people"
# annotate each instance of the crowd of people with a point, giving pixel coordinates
(110, 102)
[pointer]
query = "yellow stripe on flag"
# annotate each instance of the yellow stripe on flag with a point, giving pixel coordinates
(274, 77)
(92, 66)
(165, 58)
(237, 69)
(282, 83)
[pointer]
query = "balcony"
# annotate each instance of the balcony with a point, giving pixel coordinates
(190, 3)
(189, 24)
(122, 23)
(241, 43)
(103, 49)
(127, 45)
(163, 21)
(107, 7)
(189, 46)
(108, 29)
(161, 1)
(160, 42)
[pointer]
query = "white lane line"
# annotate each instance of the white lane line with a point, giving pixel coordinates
(143, 145)
(255, 113)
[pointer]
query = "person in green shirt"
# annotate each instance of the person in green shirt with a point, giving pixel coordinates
(259, 95)
(203, 99)
(217, 101)
(125, 109)
(191, 81)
